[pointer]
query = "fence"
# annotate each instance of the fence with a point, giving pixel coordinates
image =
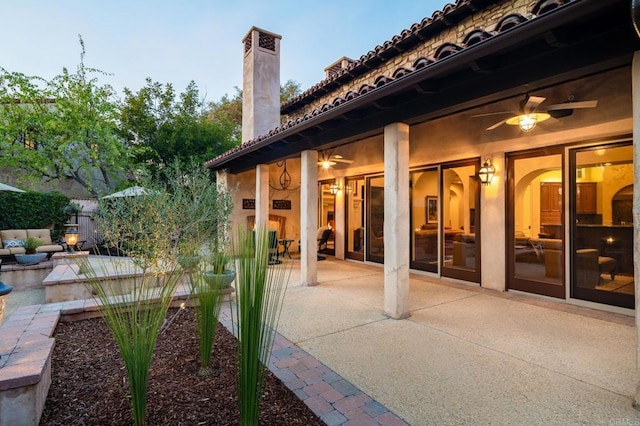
(87, 228)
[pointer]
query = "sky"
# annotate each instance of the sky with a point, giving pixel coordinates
(179, 41)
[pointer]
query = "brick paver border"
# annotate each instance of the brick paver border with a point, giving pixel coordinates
(332, 398)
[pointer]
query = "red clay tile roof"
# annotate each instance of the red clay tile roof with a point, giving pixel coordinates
(407, 39)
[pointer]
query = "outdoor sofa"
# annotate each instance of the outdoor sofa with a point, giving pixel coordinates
(11, 242)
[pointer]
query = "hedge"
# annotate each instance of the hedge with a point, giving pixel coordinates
(33, 210)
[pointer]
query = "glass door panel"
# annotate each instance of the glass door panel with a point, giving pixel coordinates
(459, 219)
(355, 217)
(535, 231)
(602, 225)
(424, 220)
(375, 219)
(326, 218)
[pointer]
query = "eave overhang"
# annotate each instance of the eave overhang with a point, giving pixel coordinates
(577, 39)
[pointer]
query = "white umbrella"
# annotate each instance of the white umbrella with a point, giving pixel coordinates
(5, 187)
(133, 191)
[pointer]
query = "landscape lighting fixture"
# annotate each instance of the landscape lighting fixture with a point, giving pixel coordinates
(71, 236)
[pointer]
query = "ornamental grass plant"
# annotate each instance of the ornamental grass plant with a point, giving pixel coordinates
(136, 225)
(31, 244)
(260, 291)
(172, 220)
(210, 293)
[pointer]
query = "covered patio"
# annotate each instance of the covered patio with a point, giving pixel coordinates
(539, 361)
(410, 126)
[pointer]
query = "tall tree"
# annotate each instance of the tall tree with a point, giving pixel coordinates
(228, 109)
(290, 90)
(60, 129)
(164, 127)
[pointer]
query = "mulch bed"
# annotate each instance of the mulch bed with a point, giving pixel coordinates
(89, 385)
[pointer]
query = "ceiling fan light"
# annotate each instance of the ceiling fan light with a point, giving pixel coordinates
(527, 122)
(326, 164)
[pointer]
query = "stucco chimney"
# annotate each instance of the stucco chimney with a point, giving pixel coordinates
(335, 68)
(260, 83)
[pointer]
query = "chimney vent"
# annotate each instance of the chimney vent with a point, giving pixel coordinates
(334, 69)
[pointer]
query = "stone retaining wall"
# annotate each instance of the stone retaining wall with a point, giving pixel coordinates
(26, 347)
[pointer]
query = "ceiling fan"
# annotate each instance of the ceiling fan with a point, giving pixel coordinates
(327, 160)
(529, 115)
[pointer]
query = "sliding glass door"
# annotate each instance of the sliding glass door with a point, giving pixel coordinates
(460, 220)
(375, 219)
(425, 219)
(326, 219)
(535, 225)
(354, 199)
(602, 224)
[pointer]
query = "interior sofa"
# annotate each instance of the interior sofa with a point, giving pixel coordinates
(426, 242)
(11, 241)
(464, 250)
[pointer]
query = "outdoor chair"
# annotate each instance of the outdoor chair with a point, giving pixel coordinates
(274, 256)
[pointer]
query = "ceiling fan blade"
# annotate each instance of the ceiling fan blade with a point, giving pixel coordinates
(498, 124)
(573, 105)
(532, 103)
(342, 160)
(492, 113)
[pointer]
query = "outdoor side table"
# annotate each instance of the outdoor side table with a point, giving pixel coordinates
(286, 244)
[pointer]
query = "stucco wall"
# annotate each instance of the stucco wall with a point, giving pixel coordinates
(244, 187)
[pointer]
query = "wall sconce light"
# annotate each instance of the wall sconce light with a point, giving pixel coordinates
(71, 236)
(486, 172)
(334, 188)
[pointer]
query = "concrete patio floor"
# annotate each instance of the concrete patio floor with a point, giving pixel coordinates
(466, 355)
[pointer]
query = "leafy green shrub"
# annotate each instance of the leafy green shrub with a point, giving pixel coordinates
(33, 210)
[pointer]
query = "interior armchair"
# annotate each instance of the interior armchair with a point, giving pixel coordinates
(324, 234)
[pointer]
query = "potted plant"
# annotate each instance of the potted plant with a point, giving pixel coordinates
(30, 256)
(219, 276)
(72, 209)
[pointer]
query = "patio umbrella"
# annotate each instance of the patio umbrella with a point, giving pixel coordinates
(133, 191)
(5, 187)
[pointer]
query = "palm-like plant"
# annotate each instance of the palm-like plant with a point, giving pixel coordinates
(260, 291)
